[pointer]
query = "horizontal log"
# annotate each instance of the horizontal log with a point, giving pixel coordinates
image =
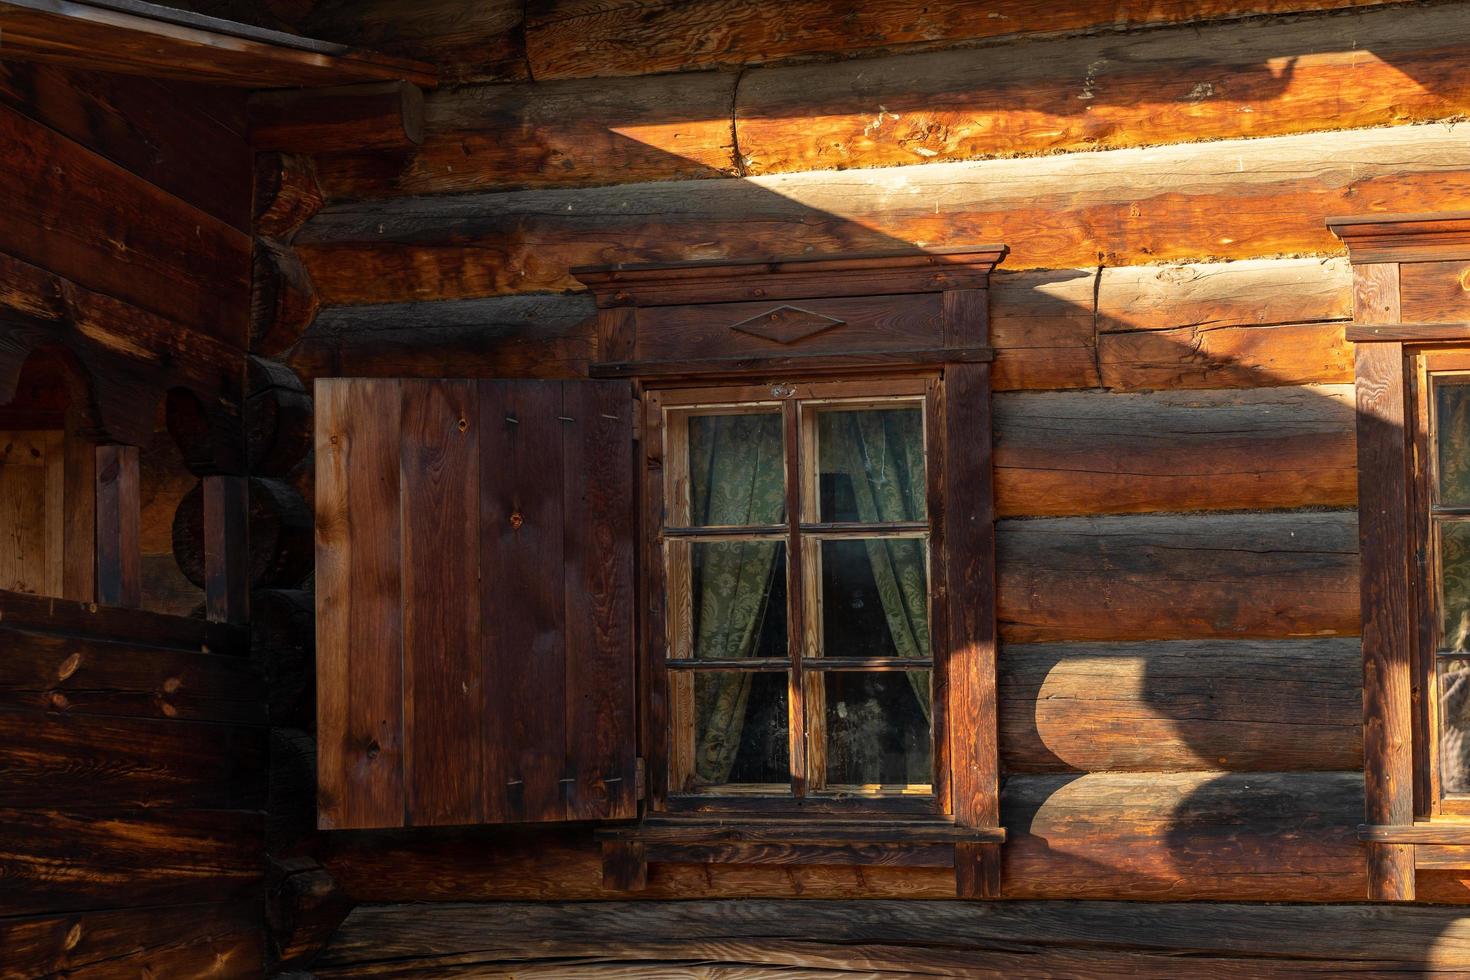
(1259, 78)
(57, 760)
(1178, 577)
(1155, 836)
(172, 941)
(582, 38)
(42, 614)
(1235, 705)
(65, 860)
(84, 217)
(1228, 199)
(553, 134)
(81, 676)
(883, 939)
(283, 301)
(376, 116)
(1109, 453)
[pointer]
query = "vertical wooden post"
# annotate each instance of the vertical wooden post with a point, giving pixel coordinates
(226, 551)
(1383, 541)
(119, 550)
(969, 544)
(79, 535)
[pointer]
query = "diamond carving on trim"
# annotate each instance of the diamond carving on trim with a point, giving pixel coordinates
(787, 325)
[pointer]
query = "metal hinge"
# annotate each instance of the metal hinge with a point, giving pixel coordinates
(640, 780)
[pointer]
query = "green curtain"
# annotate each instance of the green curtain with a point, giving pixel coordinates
(883, 454)
(736, 477)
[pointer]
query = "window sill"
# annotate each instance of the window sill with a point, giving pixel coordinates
(628, 850)
(1442, 831)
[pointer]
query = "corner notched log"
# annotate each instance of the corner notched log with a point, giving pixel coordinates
(283, 301)
(286, 194)
(376, 116)
(280, 535)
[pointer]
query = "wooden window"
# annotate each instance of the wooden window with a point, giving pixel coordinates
(796, 547)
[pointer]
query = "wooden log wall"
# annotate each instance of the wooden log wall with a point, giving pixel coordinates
(135, 781)
(1180, 676)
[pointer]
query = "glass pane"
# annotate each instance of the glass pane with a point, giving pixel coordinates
(1454, 726)
(736, 471)
(1452, 433)
(738, 599)
(878, 730)
(1454, 579)
(870, 464)
(736, 727)
(875, 598)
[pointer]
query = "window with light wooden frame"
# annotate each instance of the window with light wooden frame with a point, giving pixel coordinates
(792, 660)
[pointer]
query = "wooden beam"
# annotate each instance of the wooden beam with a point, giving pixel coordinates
(1243, 198)
(373, 117)
(138, 38)
(226, 549)
(119, 553)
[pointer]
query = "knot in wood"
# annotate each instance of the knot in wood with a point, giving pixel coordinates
(463, 425)
(516, 520)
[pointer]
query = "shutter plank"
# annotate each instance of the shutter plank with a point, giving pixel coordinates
(441, 602)
(359, 655)
(523, 600)
(598, 547)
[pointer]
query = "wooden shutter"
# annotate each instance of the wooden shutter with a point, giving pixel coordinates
(474, 589)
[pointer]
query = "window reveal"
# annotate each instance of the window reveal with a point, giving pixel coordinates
(799, 658)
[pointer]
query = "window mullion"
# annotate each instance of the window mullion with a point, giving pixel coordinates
(795, 596)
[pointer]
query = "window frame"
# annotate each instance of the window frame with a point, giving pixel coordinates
(924, 388)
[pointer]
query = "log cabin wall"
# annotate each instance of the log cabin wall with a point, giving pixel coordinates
(135, 758)
(1180, 675)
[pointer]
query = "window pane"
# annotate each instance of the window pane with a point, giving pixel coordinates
(1454, 726)
(1454, 578)
(736, 471)
(1452, 432)
(735, 728)
(878, 730)
(738, 599)
(875, 598)
(871, 464)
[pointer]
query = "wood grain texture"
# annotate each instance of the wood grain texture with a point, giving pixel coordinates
(579, 38)
(375, 116)
(1263, 77)
(849, 939)
(359, 621)
(482, 41)
(119, 552)
(1235, 705)
(1063, 453)
(84, 217)
(438, 466)
(1140, 836)
(1245, 576)
(1434, 292)
(1227, 199)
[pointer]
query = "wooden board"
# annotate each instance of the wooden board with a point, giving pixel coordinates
(566, 38)
(85, 218)
(141, 38)
(1109, 453)
(1179, 577)
(482, 41)
(844, 939)
(1228, 199)
(1235, 705)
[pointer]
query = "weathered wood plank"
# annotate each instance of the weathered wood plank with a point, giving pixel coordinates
(88, 219)
(579, 38)
(831, 939)
(1228, 199)
(1179, 577)
(180, 940)
(1110, 453)
(1235, 705)
(482, 41)
(359, 620)
(443, 697)
(1262, 77)
(87, 762)
(62, 860)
